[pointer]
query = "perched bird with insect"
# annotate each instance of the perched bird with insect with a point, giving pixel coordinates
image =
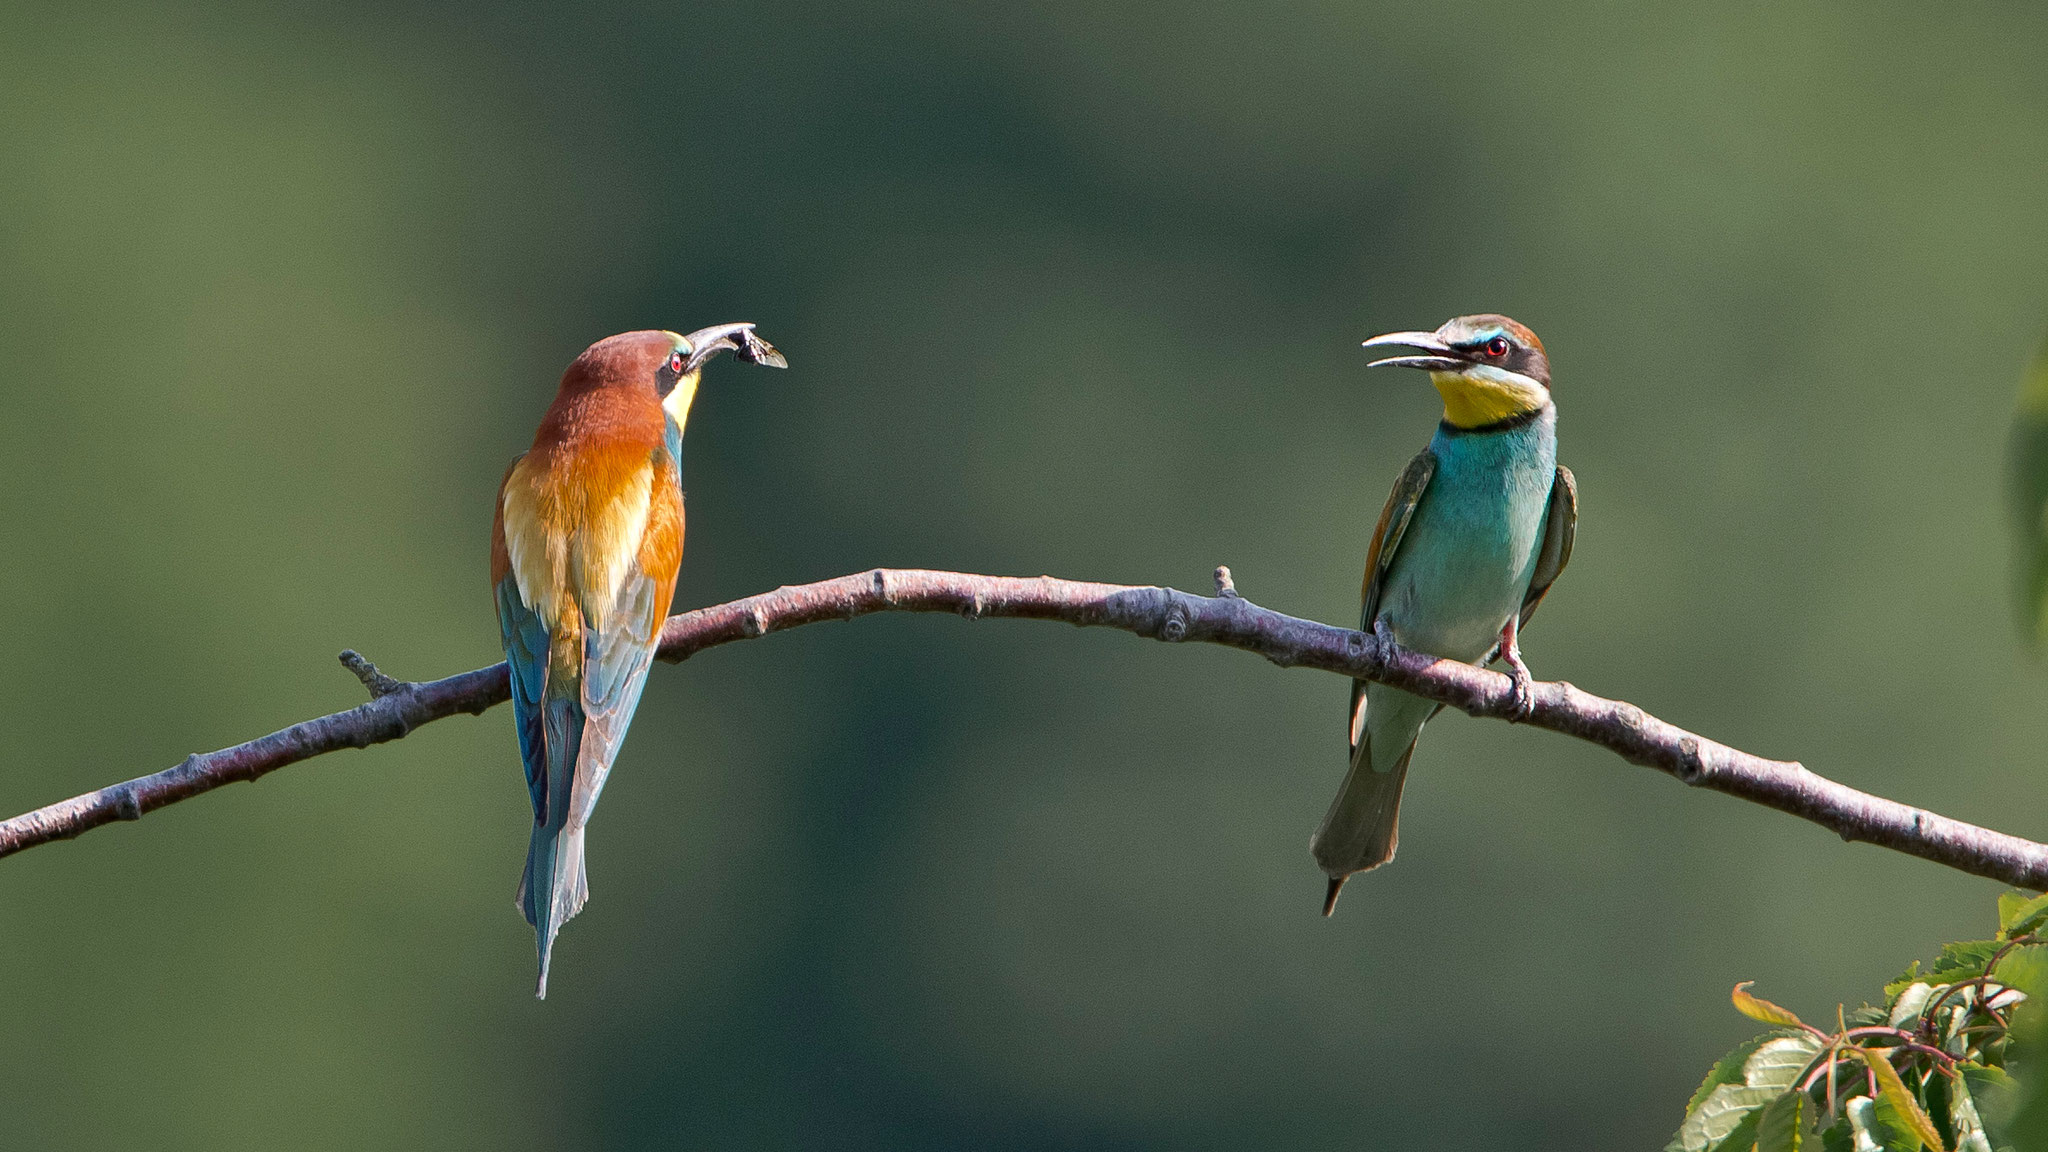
(1476, 530)
(584, 553)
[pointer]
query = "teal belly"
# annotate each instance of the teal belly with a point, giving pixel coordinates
(1464, 564)
(1459, 576)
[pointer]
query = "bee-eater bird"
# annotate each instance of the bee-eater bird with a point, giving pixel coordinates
(584, 552)
(1474, 533)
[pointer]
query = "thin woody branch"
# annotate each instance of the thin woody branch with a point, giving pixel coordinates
(397, 707)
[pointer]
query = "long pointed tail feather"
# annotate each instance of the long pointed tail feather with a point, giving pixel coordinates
(553, 888)
(1363, 826)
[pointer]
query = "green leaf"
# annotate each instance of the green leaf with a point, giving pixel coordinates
(1894, 1130)
(1777, 1063)
(1742, 1137)
(1935, 1100)
(2026, 1125)
(1910, 1003)
(1762, 1011)
(1892, 1094)
(1860, 1112)
(2025, 968)
(1724, 1110)
(1728, 1070)
(1994, 1098)
(2010, 902)
(1787, 1124)
(2027, 919)
(1874, 1125)
(1839, 1136)
(2020, 913)
(1963, 960)
(1964, 1120)
(1768, 1070)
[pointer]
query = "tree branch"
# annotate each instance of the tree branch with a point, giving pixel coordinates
(397, 707)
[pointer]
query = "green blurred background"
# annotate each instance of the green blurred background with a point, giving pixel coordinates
(1066, 288)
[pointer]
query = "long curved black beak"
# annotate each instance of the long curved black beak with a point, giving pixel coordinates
(1442, 357)
(736, 338)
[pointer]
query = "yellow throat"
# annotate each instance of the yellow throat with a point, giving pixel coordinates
(678, 400)
(1483, 394)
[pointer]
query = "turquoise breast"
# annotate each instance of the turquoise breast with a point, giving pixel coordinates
(1465, 562)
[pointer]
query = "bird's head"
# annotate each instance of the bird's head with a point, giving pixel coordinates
(666, 365)
(1488, 368)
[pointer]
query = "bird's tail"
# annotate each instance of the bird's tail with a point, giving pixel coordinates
(1363, 826)
(552, 889)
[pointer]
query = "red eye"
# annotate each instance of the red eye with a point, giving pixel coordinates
(675, 363)
(1497, 347)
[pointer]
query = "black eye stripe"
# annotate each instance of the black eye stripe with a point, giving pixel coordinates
(665, 377)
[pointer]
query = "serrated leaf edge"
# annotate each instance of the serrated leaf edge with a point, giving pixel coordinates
(1894, 1090)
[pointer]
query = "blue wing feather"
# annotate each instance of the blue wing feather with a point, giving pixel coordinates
(526, 654)
(615, 664)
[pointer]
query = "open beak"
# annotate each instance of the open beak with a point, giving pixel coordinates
(1441, 356)
(737, 338)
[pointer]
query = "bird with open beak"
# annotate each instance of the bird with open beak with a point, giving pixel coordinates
(1474, 533)
(584, 553)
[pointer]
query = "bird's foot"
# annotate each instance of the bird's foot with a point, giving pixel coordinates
(1522, 695)
(1385, 636)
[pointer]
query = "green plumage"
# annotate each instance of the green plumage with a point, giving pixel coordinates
(1476, 530)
